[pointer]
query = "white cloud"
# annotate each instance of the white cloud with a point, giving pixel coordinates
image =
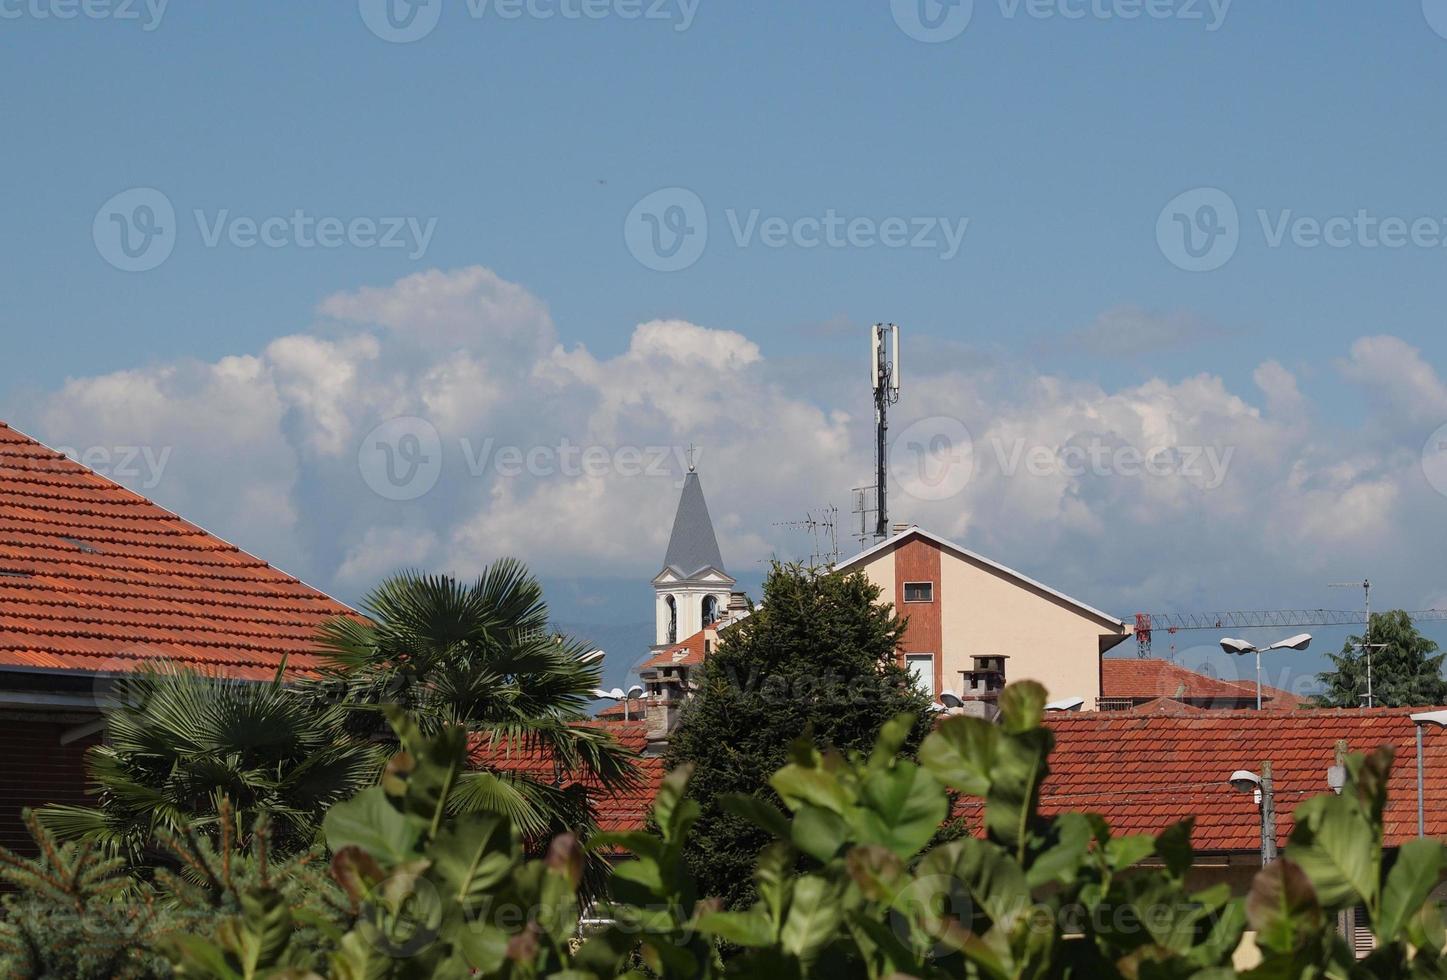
(265, 452)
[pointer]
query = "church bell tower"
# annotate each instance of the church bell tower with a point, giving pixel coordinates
(693, 589)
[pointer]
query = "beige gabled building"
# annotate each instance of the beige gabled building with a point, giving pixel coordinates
(975, 624)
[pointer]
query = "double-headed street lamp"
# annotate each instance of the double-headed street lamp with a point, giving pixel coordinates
(1240, 648)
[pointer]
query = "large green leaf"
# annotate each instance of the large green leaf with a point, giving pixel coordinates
(902, 807)
(1412, 878)
(817, 832)
(472, 854)
(995, 881)
(799, 784)
(815, 915)
(1282, 907)
(371, 822)
(1339, 851)
(760, 813)
(961, 753)
(1022, 707)
(1011, 804)
(748, 928)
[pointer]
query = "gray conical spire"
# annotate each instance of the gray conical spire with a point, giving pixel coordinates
(693, 546)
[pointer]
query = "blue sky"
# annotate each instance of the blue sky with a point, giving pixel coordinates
(530, 140)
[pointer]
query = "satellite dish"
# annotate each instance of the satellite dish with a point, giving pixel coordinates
(1069, 704)
(636, 691)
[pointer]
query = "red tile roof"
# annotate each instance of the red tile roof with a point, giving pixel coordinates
(96, 578)
(1150, 679)
(1146, 772)
(618, 810)
(688, 653)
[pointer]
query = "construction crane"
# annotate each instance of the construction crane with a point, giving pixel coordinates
(1146, 624)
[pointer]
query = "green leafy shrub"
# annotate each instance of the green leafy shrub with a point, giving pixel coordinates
(79, 915)
(854, 883)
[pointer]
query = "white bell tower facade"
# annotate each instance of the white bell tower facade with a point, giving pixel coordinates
(693, 589)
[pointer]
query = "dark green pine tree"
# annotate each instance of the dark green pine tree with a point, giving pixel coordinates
(816, 658)
(1406, 670)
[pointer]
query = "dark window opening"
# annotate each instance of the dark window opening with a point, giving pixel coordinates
(919, 592)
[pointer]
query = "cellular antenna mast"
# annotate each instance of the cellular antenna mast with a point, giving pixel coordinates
(884, 375)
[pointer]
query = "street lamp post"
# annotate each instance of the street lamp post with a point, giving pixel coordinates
(1240, 648)
(1438, 718)
(625, 697)
(1248, 782)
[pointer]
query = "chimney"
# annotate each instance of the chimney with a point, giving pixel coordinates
(901, 528)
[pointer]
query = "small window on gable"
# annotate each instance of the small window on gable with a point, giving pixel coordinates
(919, 592)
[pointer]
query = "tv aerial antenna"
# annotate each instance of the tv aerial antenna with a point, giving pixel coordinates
(823, 532)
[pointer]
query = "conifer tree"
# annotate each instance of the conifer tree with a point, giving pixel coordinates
(1406, 667)
(817, 658)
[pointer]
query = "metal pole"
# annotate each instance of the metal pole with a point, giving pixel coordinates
(1258, 680)
(1421, 807)
(1367, 641)
(1268, 817)
(881, 418)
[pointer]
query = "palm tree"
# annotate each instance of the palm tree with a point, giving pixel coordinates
(178, 742)
(481, 656)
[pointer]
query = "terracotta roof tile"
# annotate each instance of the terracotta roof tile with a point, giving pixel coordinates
(1146, 772)
(618, 809)
(96, 578)
(689, 653)
(1143, 680)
